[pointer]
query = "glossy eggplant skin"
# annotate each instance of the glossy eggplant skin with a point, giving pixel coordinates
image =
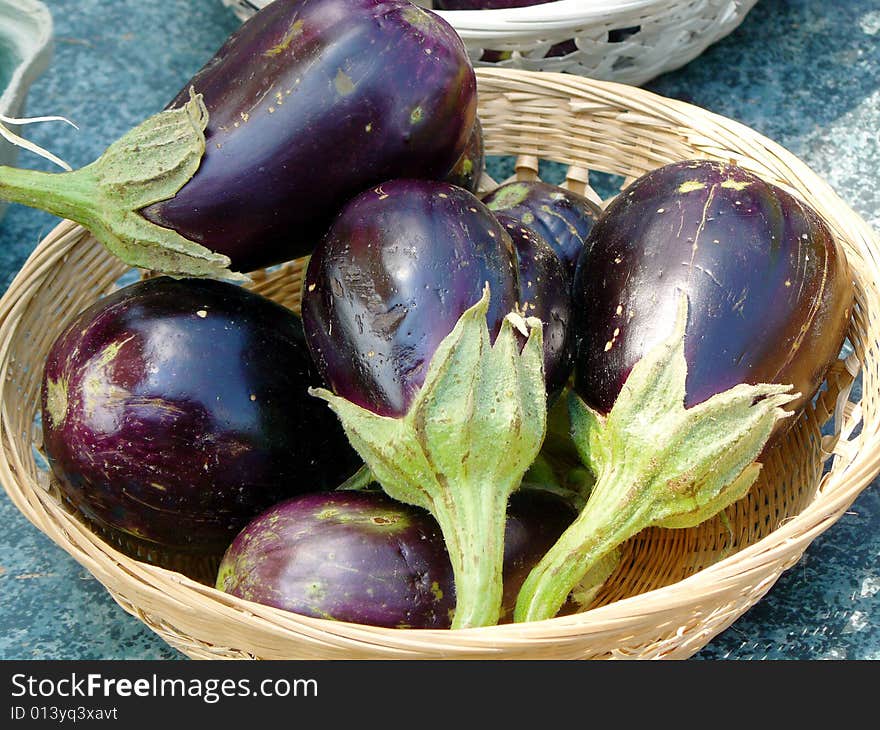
(310, 102)
(395, 272)
(362, 557)
(174, 411)
(544, 293)
(769, 289)
(561, 217)
(469, 169)
(344, 555)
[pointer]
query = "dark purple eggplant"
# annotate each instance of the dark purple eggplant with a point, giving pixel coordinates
(362, 557)
(348, 556)
(398, 267)
(769, 288)
(307, 104)
(561, 217)
(709, 304)
(174, 411)
(544, 293)
(410, 311)
(469, 169)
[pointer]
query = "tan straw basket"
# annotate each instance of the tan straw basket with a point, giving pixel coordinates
(630, 41)
(675, 589)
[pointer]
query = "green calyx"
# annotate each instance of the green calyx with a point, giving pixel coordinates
(152, 162)
(472, 431)
(656, 464)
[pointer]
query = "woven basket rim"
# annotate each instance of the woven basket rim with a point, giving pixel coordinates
(784, 544)
(555, 15)
(560, 13)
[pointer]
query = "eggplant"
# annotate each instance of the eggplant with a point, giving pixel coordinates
(709, 303)
(362, 557)
(468, 171)
(345, 555)
(769, 288)
(562, 217)
(308, 103)
(544, 293)
(174, 411)
(410, 311)
(398, 267)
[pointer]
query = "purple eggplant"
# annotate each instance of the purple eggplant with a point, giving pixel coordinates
(398, 267)
(708, 305)
(469, 169)
(307, 104)
(561, 217)
(544, 293)
(769, 288)
(411, 311)
(362, 557)
(174, 411)
(347, 555)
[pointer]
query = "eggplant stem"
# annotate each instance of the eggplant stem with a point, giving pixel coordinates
(358, 481)
(472, 524)
(611, 516)
(63, 194)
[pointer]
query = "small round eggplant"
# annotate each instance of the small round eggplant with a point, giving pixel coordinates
(562, 218)
(173, 411)
(468, 171)
(769, 288)
(348, 556)
(362, 557)
(397, 269)
(544, 293)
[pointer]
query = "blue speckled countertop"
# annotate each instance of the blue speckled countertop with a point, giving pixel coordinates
(805, 73)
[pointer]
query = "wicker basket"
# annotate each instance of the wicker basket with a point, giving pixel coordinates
(630, 41)
(674, 590)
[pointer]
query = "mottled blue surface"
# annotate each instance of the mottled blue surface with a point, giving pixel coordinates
(805, 73)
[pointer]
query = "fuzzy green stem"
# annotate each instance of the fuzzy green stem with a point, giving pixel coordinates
(472, 524)
(360, 480)
(151, 162)
(63, 194)
(611, 516)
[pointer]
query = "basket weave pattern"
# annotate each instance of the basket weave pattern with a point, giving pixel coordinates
(594, 37)
(674, 590)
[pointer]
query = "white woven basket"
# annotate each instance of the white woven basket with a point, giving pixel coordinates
(630, 41)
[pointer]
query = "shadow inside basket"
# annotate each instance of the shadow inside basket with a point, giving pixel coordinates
(793, 462)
